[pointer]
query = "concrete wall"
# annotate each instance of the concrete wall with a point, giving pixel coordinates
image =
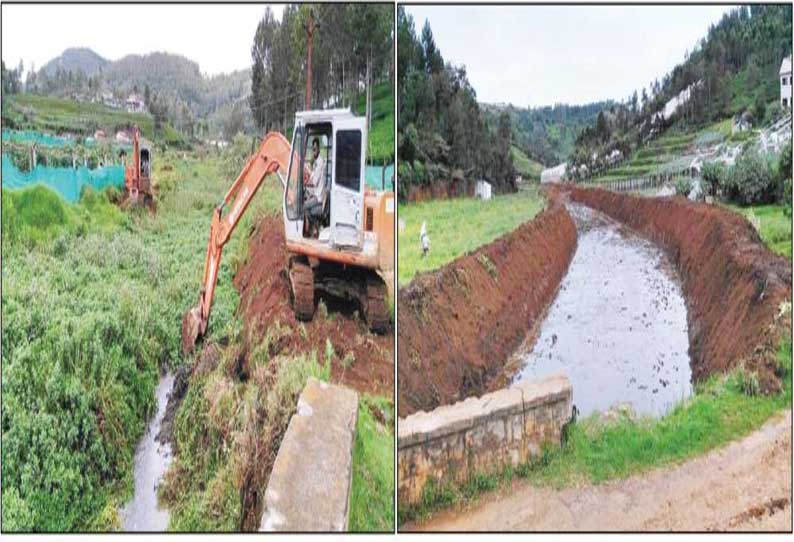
(309, 486)
(480, 435)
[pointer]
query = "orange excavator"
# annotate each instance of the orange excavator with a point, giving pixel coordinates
(138, 175)
(339, 235)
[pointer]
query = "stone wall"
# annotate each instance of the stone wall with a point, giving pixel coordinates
(480, 435)
(309, 487)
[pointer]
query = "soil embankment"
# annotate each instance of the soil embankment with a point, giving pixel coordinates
(733, 284)
(264, 303)
(460, 324)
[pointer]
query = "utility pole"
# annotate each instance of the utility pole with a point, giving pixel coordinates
(310, 27)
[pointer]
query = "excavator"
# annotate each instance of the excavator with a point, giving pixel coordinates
(339, 234)
(137, 175)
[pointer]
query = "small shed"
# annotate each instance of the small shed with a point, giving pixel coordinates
(482, 190)
(555, 174)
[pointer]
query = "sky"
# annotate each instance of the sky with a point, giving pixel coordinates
(541, 55)
(218, 37)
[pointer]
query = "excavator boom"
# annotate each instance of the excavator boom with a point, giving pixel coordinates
(273, 156)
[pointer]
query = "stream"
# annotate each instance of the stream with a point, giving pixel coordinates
(152, 458)
(618, 327)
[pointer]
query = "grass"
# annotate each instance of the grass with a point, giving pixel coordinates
(381, 135)
(775, 226)
(372, 492)
(525, 166)
(720, 411)
(457, 226)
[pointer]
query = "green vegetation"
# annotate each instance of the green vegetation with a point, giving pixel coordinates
(228, 428)
(442, 132)
(47, 114)
(381, 136)
(773, 225)
(372, 494)
(721, 410)
(457, 226)
(92, 306)
(525, 166)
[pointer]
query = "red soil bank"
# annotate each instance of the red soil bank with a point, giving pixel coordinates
(732, 283)
(264, 301)
(460, 324)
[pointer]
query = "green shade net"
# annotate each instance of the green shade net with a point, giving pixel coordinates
(67, 182)
(44, 140)
(375, 177)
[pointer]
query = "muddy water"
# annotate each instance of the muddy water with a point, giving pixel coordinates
(151, 460)
(618, 326)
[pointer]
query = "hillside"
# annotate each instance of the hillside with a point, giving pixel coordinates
(733, 70)
(76, 59)
(58, 116)
(186, 94)
(547, 134)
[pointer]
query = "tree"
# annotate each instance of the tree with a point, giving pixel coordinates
(433, 61)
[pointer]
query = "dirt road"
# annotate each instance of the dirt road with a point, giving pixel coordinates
(743, 486)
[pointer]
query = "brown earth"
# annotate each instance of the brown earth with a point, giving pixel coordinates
(264, 304)
(460, 324)
(744, 486)
(439, 190)
(733, 284)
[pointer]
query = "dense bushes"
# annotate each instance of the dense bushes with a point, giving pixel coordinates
(91, 311)
(752, 180)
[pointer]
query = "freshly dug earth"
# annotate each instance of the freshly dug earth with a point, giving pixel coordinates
(742, 487)
(733, 284)
(460, 324)
(264, 303)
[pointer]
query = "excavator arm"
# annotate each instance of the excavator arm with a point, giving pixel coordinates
(273, 156)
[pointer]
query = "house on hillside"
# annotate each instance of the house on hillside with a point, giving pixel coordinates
(785, 82)
(135, 104)
(555, 174)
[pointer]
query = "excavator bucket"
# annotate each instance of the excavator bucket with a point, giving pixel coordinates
(191, 329)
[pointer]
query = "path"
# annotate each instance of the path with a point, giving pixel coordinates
(743, 486)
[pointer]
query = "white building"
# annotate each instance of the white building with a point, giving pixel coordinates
(135, 104)
(482, 190)
(553, 175)
(785, 82)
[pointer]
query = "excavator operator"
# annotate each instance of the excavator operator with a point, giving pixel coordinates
(316, 186)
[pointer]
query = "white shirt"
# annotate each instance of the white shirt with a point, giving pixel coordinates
(317, 178)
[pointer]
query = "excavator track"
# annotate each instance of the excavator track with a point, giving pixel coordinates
(377, 307)
(301, 279)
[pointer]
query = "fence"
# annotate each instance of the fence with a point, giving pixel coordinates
(644, 183)
(380, 177)
(68, 182)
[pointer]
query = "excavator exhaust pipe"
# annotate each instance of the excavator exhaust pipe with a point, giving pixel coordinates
(191, 329)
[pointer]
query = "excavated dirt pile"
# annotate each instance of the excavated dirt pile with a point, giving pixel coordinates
(734, 286)
(460, 324)
(363, 360)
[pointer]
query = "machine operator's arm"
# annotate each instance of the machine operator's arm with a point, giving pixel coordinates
(273, 155)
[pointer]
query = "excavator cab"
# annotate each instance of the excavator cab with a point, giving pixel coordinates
(327, 205)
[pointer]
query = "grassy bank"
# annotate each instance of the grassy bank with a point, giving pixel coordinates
(722, 409)
(773, 225)
(372, 493)
(381, 135)
(525, 166)
(457, 226)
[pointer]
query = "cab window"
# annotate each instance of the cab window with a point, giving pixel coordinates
(348, 159)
